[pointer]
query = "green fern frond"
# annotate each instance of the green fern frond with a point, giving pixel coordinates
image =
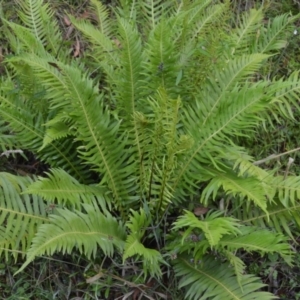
(162, 162)
(259, 240)
(212, 279)
(129, 77)
(7, 140)
(29, 132)
(281, 218)
(151, 12)
(103, 18)
(39, 29)
(37, 16)
(213, 139)
(203, 20)
(56, 129)
(61, 187)
(237, 264)
(274, 35)
(91, 230)
(72, 91)
(151, 258)
(249, 27)
(161, 59)
(249, 188)
(20, 215)
(285, 94)
(28, 39)
(288, 189)
(222, 82)
(104, 48)
(213, 226)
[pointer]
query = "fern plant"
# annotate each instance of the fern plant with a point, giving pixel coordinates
(143, 127)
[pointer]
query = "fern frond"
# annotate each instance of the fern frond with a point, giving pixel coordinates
(213, 227)
(28, 39)
(211, 279)
(38, 19)
(151, 12)
(56, 130)
(249, 27)
(237, 264)
(285, 94)
(104, 48)
(29, 132)
(160, 162)
(221, 82)
(161, 59)
(129, 77)
(91, 230)
(103, 17)
(7, 140)
(200, 20)
(279, 218)
(61, 187)
(151, 258)
(274, 36)
(249, 188)
(288, 189)
(259, 240)
(212, 140)
(20, 215)
(73, 91)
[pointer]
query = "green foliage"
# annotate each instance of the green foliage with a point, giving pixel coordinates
(160, 130)
(217, 279)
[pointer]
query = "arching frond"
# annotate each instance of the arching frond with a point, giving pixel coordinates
(61, 187)
(210, 278)
(250, 188)
(29, 132)
(20, 215)
(249, 27)
(104, 47)
(274, 35)
(282, 219)
(37, 16)
(103, 18)
(259, 240)
(213, 227)
(91, 230)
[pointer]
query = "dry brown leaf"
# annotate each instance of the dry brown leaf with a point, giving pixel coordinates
(94, 278)
(200, 210)
(76, 48)
(117, 43)
(69, 32)
(67, 21)
(85, 15)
